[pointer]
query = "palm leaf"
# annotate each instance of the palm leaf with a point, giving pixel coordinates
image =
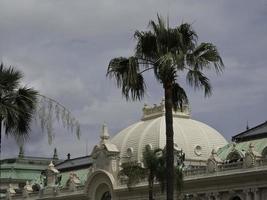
(197, 80)
(134, 173)
(179, 97)
(128, 77)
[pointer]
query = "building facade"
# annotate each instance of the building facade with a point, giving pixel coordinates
(214, 169)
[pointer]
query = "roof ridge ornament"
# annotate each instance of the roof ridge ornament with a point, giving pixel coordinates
(55, 156)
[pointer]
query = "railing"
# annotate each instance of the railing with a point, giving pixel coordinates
(230, 166)
(225, 167)
(192, 172)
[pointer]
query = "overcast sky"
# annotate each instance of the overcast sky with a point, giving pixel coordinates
(63, 48)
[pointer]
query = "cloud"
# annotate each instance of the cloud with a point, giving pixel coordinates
(63, 48)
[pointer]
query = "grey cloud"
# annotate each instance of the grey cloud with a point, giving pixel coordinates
(64, 46)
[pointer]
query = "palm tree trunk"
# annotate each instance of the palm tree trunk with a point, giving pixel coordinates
(169, 140)
(150, 187)
(0, 135)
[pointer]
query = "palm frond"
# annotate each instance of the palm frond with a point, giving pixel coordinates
(9, 78)
(205, 56)
(126, 73)
(146, 47)
(187, 37)
(134, 173)
(197, 80)
(17, 105)
(179, 97)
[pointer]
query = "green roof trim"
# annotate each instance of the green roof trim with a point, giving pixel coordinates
(259, 146)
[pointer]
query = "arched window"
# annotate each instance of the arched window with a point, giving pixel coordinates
(234, 156)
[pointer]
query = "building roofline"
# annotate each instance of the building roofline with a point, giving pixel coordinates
(89, 156)
(242, 133)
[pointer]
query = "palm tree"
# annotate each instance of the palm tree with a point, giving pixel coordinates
(17, 104)
(133, 171)
(178, 171)
(168, 52)
(153, 166)
(153, 169)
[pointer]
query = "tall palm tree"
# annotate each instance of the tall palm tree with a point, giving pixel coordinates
(168, 52)
(17, 104)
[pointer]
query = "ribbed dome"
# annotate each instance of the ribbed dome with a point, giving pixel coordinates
(196, 139)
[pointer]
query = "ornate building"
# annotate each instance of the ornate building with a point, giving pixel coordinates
(214, 168)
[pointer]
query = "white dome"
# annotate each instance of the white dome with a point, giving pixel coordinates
(196, 139)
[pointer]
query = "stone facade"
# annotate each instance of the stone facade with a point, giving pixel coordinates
(236, 171)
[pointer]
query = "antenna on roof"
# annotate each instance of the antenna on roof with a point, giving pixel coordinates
(86, 148)
(247, 126)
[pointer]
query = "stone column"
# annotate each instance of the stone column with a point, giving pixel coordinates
(247, 194)
(256, 194)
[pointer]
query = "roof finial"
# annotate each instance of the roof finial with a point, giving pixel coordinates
(162, 101)
(104, 134)
(21, 151)
(247, 126)
(55, 156)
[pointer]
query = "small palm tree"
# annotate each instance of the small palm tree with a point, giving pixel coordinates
(178, 170)
(133, 172)
(167, 52)
(154, 169)
(17, 104)
(153, 165)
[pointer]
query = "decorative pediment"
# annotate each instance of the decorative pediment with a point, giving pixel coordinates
(105, 154)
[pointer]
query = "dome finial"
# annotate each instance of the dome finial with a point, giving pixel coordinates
(104, 134)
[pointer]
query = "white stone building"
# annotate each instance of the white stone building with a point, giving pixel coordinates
(214, 168)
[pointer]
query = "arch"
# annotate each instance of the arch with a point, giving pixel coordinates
(234, 156)
(100, 186)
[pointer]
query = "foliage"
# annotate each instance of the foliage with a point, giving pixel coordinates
(168, 52)
(49, 110)
(17, 104)
(153, 169)
(133, 172)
